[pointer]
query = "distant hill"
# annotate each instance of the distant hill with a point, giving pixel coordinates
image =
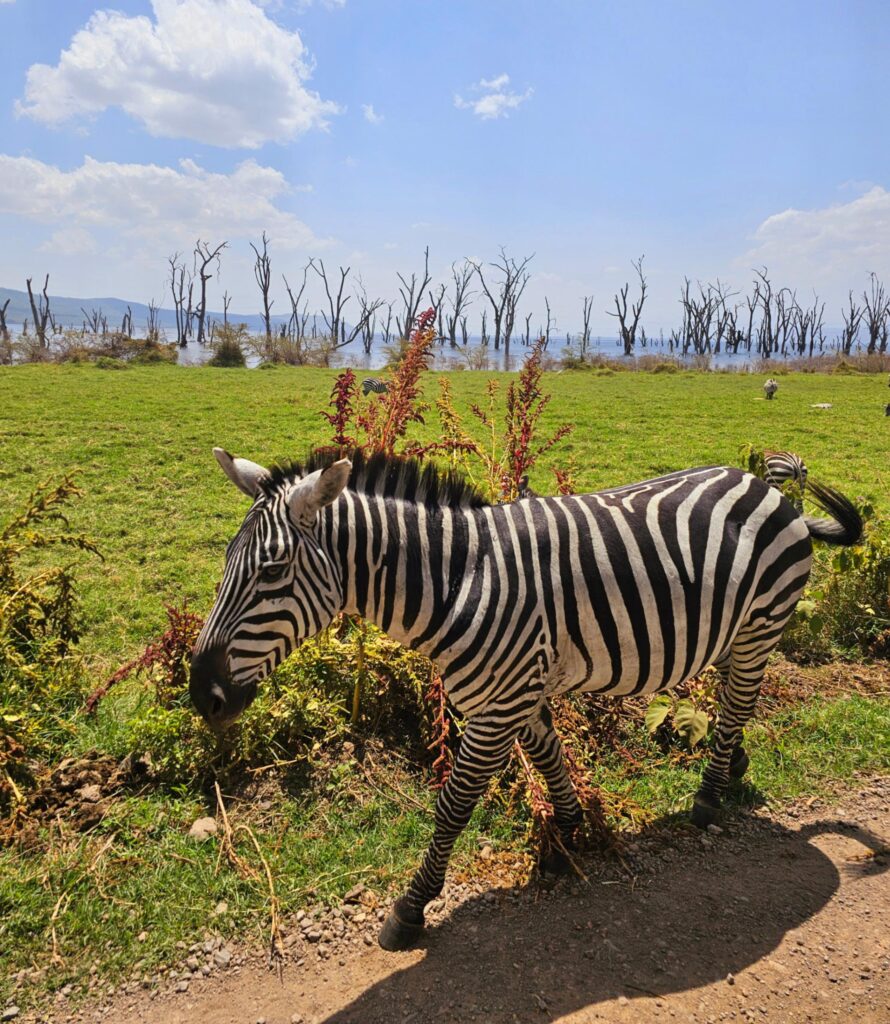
(67, 311)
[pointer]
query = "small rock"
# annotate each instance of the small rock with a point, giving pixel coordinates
(182, 986)
(222, 957)
(313, 935)
(353, 895)
(202, 829)
(222, 907)
(142, 936)
(296, 1018)
(730, 980)
(485, 852)
(715, 830)
(623, 1000)
(10, 1013)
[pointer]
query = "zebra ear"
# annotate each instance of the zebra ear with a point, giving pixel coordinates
(243, 473)
(318, 489)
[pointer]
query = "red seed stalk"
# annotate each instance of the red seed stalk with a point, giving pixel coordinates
(400, 405)
(170, 652)
(342, 396)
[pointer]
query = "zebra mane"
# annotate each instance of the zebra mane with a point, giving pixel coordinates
(388, 476)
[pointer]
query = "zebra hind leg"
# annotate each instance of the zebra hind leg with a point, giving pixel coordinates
(738, 760)
(737, 699)
(484, 749)
(541, 742)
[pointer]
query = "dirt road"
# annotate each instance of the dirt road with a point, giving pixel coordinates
(779, 917)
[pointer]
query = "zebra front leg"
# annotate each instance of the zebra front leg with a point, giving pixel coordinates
(484, 749)
(540, 741)
(737, 699)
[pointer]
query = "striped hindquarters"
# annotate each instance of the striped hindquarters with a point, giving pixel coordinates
(379, 387)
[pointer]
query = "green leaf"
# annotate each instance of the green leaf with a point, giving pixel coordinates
(692, 725)
(657, 712)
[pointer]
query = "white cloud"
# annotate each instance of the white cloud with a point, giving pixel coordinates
(158, 208)
(495, 99)
(70, 242)
(831, 249)
(217, 71)
(371, 115)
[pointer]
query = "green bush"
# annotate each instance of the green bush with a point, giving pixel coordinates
(110, 363)
(228, 346)
(41, 674)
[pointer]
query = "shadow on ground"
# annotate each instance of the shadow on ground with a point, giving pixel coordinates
(723, 909)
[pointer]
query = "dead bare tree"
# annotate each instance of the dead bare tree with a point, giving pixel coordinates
(386, 325)
(152, 322)
(95, 322)
(4, 330)
(505, 294)
(334, 319)
(484, 337)
(127, 323)
(367, 317)
(299, 317)
(852, 320)
(181, 288)
(464, 331)
(412, 296)
(227, 301)
(460, 299)
(262, 271)
(628, 320)
(336, 300)
(204, 257)
(549, 325)
(806, 326)
(584, 340)
(876, 314)
(437, 303)
(40, 311)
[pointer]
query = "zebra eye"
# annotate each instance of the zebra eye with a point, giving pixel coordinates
(272, 572)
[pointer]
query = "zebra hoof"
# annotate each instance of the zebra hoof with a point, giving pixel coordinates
(555, 864)
(738, 763)
(399, 932)
(705, 810)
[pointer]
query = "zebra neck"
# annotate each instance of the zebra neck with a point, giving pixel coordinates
(400, 562)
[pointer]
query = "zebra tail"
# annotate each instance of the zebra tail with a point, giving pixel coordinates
(845, 525)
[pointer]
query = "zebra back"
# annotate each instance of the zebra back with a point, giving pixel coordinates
(379, 387)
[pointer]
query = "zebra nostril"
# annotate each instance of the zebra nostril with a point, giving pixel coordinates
(216, 706)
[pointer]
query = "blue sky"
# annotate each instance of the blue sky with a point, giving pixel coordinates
(713, 137)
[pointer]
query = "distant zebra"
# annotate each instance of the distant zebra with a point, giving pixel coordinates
(771, 387)
(781, 468)
(887, 409)
(379, 387)
(628, 591)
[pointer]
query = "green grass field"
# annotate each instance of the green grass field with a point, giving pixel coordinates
(161, 511)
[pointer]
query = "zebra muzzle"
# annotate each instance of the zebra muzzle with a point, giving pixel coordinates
(217, 699)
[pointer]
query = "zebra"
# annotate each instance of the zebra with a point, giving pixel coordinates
(770, 388)
(788, 472)
(626, 591)
(379, 387)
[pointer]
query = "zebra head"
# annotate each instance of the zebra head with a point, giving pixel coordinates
(279, 586)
